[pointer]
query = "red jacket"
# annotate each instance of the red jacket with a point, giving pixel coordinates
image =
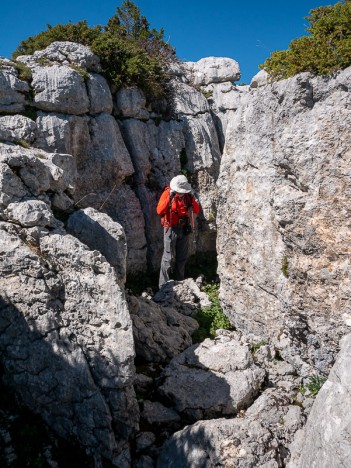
(178, 208)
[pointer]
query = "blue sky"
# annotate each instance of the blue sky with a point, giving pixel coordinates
(245, 31)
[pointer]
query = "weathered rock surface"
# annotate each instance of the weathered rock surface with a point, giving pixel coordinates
(160, 333)
(65, 53)
(284, 215)
(325, 440)
(66, 334)
(17, 128)
(99, 94)
(184, 296)
(260, 79)
(99, 232)
(60, 88)
(258, 438)
(12, 90)
(213, 70)
(212, 379)
(131, 102)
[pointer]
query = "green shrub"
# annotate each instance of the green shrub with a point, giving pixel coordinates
(256, 346)
(325, 50)
(211, 318)
(285, 266)
(131, 53)
(313, 386)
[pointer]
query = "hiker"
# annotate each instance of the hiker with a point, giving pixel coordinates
(177, 207)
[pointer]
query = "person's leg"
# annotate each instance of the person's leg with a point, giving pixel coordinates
(181, 255)
(169, 240)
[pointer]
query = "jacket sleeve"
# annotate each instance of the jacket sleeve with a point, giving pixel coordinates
(196, 206)
(163, 203)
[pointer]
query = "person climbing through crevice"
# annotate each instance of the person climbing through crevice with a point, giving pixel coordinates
(177, 207)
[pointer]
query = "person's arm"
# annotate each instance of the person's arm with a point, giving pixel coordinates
(163, 203)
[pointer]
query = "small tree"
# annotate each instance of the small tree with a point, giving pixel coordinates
(326, 49)
(130, 52)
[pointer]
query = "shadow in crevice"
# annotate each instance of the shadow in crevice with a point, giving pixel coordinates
(48, 374)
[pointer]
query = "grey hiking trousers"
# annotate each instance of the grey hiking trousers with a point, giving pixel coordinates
(175, 252)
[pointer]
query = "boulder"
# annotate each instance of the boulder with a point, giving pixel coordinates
(99, 232)
(99, 94)
(325, 440)
(131, 102)
(17, 128)
(259, 437)
(213, 70)
(29, 213)
(260, 79)
(212, 379)
(66, 340)
(160, 333)
(12, 90)
(64, 52)
(156, 413)
(59, 88)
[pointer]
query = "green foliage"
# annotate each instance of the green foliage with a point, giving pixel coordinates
(325, 50)
(285, 266)
(83, 73)
(256, 346)
(23, 143)
(208, 93)
(211, 318)
(131, 53)
(313, 386)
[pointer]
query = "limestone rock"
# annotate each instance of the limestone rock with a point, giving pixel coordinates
(131, 102)
(64, 52)
(242, 443)
(160, 333)
(29, 213)
(285, 175)
(12, 91)
(66, 339)
(24, 172)
(213, 70)
(212, 379)
(60, 88)
(188, 100)
(259, 437)
(16, 128)
(156, 413)
(184, 296)
(99, 94)
(260, 79)
(325, 440)
(99, 232)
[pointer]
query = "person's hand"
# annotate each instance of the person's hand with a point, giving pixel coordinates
(171, 193)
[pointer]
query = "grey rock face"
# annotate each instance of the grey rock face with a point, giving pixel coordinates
(99, 94)
(213, 70)
(64, 52)
(131, 102)
(99, 232)
(260, 79)
(60, 88)
(30, 213)
(67, 349)
(12, 91)
(283, 211)
(160, 333)
(66, 334)
(27, 173)
(325, 440)
(258, 438)
(16, 128)
(212, 379)
(155, 413)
